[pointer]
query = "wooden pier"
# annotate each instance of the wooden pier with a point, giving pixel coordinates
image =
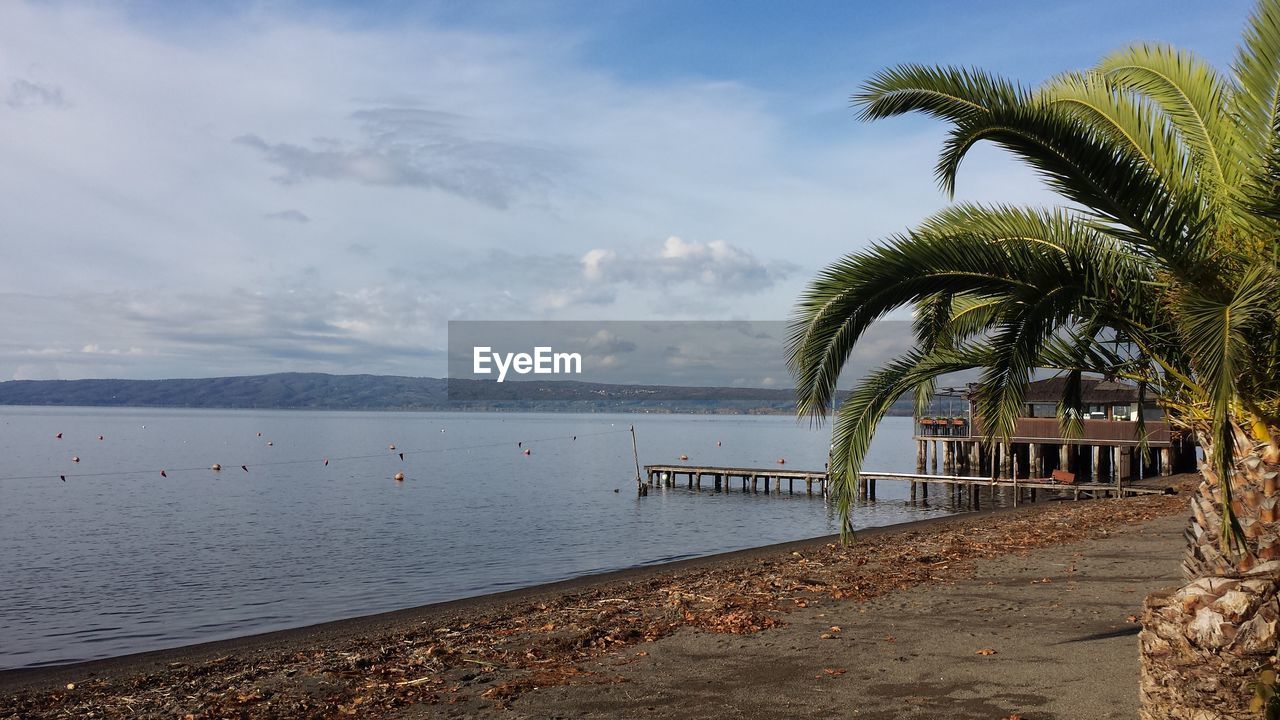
(749, 479)
(771, 480)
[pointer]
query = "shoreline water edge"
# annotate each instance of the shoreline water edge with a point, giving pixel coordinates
(483, 652)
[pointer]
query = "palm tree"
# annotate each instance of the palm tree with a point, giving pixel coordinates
(1160, 267)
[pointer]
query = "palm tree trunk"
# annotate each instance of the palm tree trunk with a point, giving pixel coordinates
(1204, 644)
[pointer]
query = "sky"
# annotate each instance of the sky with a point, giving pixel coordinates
(198, 189)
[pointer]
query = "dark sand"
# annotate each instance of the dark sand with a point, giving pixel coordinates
(1059, 619)
(1065, 649)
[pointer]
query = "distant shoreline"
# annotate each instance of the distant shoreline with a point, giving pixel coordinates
(894, 412)
(388, 393)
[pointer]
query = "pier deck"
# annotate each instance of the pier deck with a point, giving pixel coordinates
(772, 479)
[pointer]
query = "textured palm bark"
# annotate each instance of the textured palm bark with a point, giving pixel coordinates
(1204, 644)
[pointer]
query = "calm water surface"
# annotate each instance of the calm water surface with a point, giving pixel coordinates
(110, 564)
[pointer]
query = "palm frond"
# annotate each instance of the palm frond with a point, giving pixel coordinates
(1128, 120)
(1256, 102)
(1193, 95)
(859, 415)
(951, 93)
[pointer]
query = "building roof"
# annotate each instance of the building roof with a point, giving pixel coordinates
(1093, 391)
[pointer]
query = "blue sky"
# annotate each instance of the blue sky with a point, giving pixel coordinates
(195, 189)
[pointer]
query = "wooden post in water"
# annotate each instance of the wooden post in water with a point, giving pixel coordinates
(641, 488)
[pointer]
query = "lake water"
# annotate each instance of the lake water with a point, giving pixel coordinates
(105, 564)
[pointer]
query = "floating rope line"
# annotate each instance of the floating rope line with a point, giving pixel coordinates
(325, 459)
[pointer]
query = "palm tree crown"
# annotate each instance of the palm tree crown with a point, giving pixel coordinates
(1159, 267)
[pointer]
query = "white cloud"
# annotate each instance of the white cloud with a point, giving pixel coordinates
(593, 263)
(716, 266)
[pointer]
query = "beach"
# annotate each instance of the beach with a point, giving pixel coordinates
(1027, 612)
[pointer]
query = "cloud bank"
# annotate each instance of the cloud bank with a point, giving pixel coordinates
(273, 188)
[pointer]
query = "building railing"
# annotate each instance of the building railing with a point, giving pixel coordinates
(1048, 430)
(943, 426)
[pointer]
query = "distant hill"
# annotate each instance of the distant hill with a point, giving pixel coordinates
(320, 391)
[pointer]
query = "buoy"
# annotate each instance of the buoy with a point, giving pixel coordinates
(164, 474)
(615, 489)
(59, 436)
(399, 477)
(782, 461)
(75, 458)
(684, 457)
(64, 479)
(244, 468)
(392, 446)
(326, 462)
(99, 437)
(520, 444)
(527, 451)
(401, 457)
(717, 443)
(259, 434)
(441, 429)
(270, 443)
(215, 467)
(575, 437)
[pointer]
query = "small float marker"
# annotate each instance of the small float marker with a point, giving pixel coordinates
(63, 478)
(392, 446)
(270, 443)
(99, 437)
(401, 457)
(164, 474)
(215, 467)
(527, 451)
(399, 477)
(244, 468)
(259, 434)
(326, 462)
(684, 457)
(75, 458)
(782, 461)
(59, 436)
